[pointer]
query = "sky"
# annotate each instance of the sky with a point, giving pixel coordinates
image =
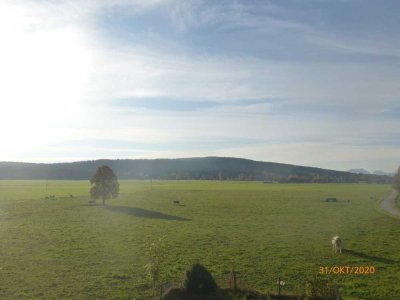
(313, 83)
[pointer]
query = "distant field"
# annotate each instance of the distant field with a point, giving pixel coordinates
(65, 249)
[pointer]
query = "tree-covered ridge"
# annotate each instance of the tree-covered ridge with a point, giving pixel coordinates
(214, 168)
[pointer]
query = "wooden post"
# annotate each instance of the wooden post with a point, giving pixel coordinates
(279, 287)
(338, 297)
(234, 281)
(232, 278)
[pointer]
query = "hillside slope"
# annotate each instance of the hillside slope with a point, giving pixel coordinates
(184, 168)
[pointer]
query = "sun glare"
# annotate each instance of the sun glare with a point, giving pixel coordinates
(43, 78)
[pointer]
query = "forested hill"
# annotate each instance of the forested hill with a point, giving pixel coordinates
(219, 168)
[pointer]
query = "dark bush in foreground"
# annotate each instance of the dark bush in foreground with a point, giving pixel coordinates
(199, 281)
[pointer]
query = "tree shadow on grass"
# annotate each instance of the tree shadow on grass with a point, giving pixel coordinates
(370, 257)
(144, 213)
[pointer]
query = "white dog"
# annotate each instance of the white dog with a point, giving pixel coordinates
(337, 244)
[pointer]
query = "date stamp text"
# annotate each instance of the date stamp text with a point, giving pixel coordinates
(338, 270)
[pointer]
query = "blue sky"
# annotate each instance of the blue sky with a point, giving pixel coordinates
(304, 82)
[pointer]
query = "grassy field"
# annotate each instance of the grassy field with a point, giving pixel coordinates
(65, 249)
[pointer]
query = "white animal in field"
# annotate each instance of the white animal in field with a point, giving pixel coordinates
(337, 244)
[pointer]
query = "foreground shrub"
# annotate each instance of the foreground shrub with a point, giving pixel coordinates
(156, 252)
(322, 287)
(199, 281)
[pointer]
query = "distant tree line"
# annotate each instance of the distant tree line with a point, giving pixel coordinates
(207, 168)
(291, 178)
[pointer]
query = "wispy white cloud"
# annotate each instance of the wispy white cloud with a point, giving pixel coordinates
(138, 72)
(377, 45)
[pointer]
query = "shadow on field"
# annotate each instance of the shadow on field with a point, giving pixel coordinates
(144, 213)
(370, 257)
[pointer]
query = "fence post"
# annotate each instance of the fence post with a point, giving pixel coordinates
(279, 287)
(337, 293)
(234, 281)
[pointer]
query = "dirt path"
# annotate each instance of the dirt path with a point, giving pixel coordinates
(388, 204)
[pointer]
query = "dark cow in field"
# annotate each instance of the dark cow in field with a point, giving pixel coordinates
(330, 200)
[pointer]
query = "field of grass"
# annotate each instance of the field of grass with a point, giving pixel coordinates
(66, 249)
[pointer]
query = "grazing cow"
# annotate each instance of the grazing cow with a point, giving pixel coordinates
(337, 244)
(176, 202)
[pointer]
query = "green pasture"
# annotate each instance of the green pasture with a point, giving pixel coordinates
(66, 249)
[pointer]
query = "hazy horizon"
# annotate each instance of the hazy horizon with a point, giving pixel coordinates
(162, 158)
(312, 84)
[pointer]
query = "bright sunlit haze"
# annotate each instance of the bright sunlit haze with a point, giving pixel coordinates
(280, 81)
